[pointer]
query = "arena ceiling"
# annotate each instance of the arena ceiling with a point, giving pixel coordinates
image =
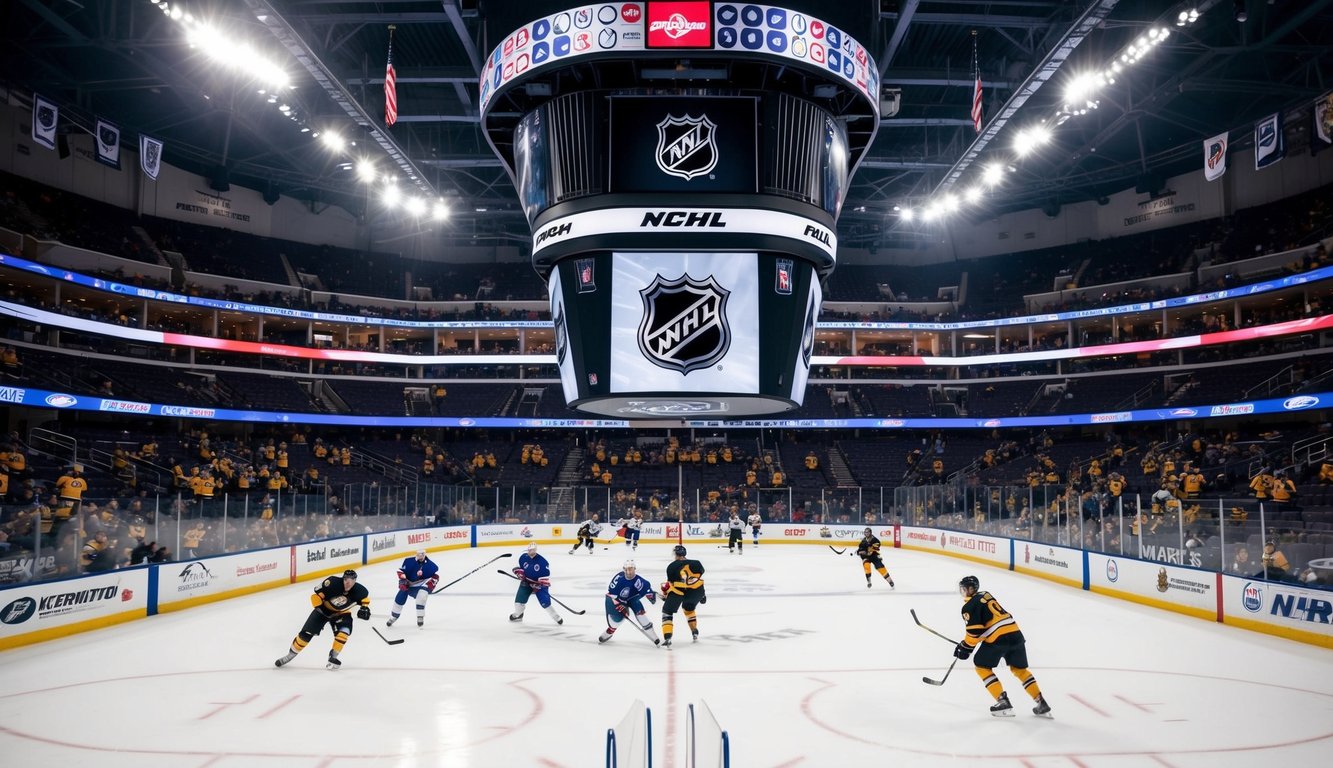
(128, 61)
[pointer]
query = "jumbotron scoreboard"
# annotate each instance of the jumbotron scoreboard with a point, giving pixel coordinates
(682, 166)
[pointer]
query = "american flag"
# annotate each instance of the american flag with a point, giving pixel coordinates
(976, 90)
(390, 87)
(976, 104)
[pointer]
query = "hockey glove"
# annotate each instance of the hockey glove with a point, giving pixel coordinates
(363, 613)
(652, 597)
(430, 585)
(962, 651)
(402, 585)
(517, 571)
(703, 599)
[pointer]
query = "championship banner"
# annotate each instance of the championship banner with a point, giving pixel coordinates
(1215, 157)
(1322, 138)
(1269, 144)
(150, 156)
(108, 143)
(45, 116)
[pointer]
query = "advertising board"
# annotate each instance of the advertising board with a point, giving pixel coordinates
(36, 612)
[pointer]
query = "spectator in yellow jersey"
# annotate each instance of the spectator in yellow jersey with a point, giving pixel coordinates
(811, 461)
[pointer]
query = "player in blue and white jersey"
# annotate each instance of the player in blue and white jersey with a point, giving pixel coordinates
(624, 595)
(534, 576)
(417, 576)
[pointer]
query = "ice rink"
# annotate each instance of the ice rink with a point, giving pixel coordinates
(800, 662)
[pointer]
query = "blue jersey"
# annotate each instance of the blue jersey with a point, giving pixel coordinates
(625, 589)
(534, 568)
(417, 573)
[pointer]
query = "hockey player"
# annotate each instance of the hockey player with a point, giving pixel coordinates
(755, 521)
(735, 533)
(534, 575)
(684, 587)
(417, 576)
(333, 602)
(588, 531)
(868, 550)
(630, 527)
(994, 634)
(624, 594)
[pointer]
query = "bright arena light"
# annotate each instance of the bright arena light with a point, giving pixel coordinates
(950, 202)
(333, 140)
(907, 214)
(993, 174)
(415, 206)
(1030, 138)
(391, 196)
(932, 211)
(441, 211)
(972, 195)
(365, 170)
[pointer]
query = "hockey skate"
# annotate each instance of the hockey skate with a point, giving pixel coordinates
(667, 643)
(515, 617)
(890, 580)
(1042, 709)
(391, 620)
(602, 638)
(867, 582)
(1002, 707)
(283, 661)
(420, 622)
(695, 635)
(333, 662)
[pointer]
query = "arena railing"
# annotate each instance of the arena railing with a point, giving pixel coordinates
(1202, 533)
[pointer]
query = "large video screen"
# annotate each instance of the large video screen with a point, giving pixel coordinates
(679, 24)
(678, 144)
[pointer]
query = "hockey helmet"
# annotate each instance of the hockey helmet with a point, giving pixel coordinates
(421, 554)
(867, 531)
(968, 583)
(349, 574)
(678, 550)
(629, 565)
(532, 546)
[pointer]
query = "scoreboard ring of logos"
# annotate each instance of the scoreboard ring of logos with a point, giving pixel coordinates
(736, 29)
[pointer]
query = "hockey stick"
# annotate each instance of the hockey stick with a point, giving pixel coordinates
(624, 611)
(469, 573)
(399, 641)
(928, 681)
(553, 597)
(950, 640)
(842, 551)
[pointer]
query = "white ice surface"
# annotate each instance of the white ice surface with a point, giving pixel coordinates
(800, 662)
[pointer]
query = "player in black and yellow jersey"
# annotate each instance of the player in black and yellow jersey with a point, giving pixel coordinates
(868, 551)
(333, 600)
(994, 634)
(684, 588)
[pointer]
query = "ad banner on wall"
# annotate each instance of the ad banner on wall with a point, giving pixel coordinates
(324, 558)
(72, 604)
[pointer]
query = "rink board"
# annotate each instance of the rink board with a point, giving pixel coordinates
(33, 613)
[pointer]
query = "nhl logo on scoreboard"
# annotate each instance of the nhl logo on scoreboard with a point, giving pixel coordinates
(686, 146)
(684, 326)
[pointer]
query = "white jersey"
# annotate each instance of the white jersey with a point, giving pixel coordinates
(593, 527)
(755, 520)
(632, 523)
(735, 524)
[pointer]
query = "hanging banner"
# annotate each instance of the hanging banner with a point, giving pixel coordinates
(108, 143)
(45, 116)
(150, 156)
(1215, 157)
(1322, 138)
(1269, 145)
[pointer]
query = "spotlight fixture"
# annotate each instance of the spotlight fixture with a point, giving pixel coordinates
(1241, 15)
(365, 170)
